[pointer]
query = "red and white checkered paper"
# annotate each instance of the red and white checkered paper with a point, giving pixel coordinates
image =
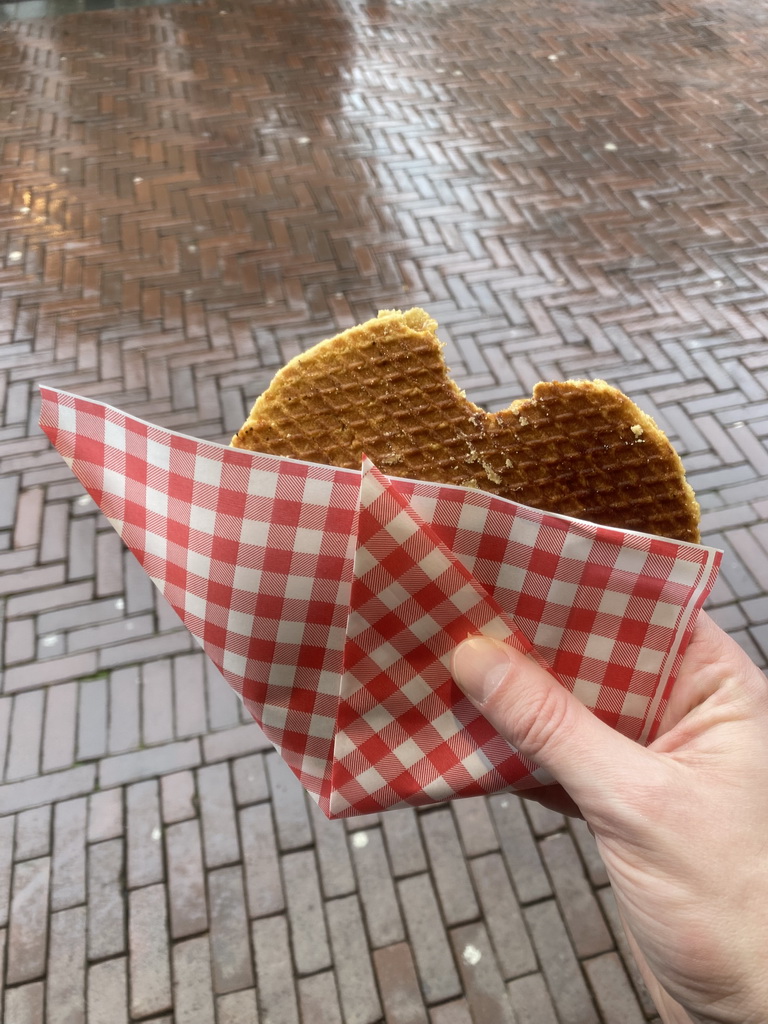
(331, 601)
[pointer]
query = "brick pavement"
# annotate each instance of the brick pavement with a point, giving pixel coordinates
(189, 195)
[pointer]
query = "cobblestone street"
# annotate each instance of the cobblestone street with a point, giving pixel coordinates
(191, 194)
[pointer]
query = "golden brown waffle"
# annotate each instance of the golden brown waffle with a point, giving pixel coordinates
(577, 447)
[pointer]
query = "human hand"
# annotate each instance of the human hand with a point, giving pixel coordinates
(682, 825)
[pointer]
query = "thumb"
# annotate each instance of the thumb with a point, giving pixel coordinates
(545, 722)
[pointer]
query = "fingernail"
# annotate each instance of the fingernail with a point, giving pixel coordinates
(479, 666)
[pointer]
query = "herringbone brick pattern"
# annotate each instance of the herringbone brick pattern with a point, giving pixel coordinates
(189, 195)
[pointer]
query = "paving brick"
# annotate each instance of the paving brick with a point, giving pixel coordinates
(403, 841)
(291, 816)
(24, 1005)
(68, 861)
(33, 833)
(432, 953)
(192, 992)
(109, 564)
(29, 518)
(608, 903)
(543, 821)
(503, 916)
(223, 703)
(399, 985)
(6, 706)
(455, 1012)
(242, 739)
(189, 694)
(354, 973)
(108, 992)
(186, 879)
(334, 861)
(9, 492)
(531, 1000)
(156, 702)
(261, 861)
(613, 992)
(139, 589)
(20, 642)
(449, 869)
(585, 841)
(65, 984)
(309, 938)
(124, 710)
(31, 579)
(250, 778)
(376, 887)
(28, 921)
(60, 727)
(7, 827)
(475, 826)
(559, 964)
(578, 905)
(144, 847)
(81, 553)
(105, 815)
(148, 648)
(239, 1008)
(148, 954)
(217, 812)
(55, 598)
(484, 988)
(46, 789)
(26, 732)
(178, 796)
(50, 670)
(519, 848)
(92, 719)
(106, 913)
(230, 949)
(319, 999)
(145, 764)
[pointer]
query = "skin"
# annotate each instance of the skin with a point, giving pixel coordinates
(681, 825)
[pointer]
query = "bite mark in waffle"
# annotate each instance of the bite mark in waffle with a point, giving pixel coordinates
(577, 447)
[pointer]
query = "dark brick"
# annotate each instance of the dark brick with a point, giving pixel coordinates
(559, 964)
(434, 961)
(192, 992)
(449, 869)
(291, 817)
(230, 949)
(60, 726)
(105, 815)
(26, 732)
(503, 916)
(239, 1008)
(577, 903)
(376, 887)
(403, 840)
(519, 848)
(124, 711)
(144, 847)
(475, 826)
(65, 984)
(68, 861)
(186, 879)
(399, 985)
(531, 1000)
(108, 992)
(261, 861)
(33, 833)
(178, 796)
(106, 913)
(148, 953)
(189, 694)
(217, 814)
(319, 999)
(613, 992)
(483, 985)
(354, 973)
(28, 921)
(250, 778)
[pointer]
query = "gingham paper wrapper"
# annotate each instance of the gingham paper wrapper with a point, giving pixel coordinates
(331, 601)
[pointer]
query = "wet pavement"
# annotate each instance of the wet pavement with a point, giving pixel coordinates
(190, 195)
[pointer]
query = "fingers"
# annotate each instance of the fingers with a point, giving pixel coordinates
(545, 722)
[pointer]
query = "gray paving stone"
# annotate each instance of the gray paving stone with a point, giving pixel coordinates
(613, 991)
(106, 912)
(230, 949)
(192, 991)
(580, 909)
(274, 971)
(519, 848)
(186, 879)
(217, 813)
(65, 982)
(309, 938)
(144, 836)
(559, 964)
(434, 961)
(398, 985)
(108, 992)
(483, 985)
(448, 867)
(531, 1001)
(354, 972)
(28, 921)
(148, 952)
(503, 916)
(376, 887)
(68, 861)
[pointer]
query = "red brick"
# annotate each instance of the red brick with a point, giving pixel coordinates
(106, 913)
(24, 1005)
(148, 954)
(581, 911)
(7, 826)
(28, 923)
(319, 999)
(193, 995)
(519, 848)
(376, 887)
(531, 1000)
(108, 992)
(559, 964)
(65, 985)
(178, 796)
(483, 985)
(240, 1008)
(186, 879)
(475, 826)
(143, 764)
(144, 848)
(242, 739)
(399, 985)
(92, 719)
(250, 778)
(217, 813)
(156, 702)
(26, 733)
(503, 916)
(449, 869)
(50, 670)
(46, 789)
(124, 712)
(33, 833)
(20, 641)
(613, 992)
(230, 949)
(105, 815)
(109, 564)
(291, 817)
(189, 694)
(68, 861)
(333, 858)
(274, 976)
(456, 1012)
(60, 726)
(261, 861)
(426, 933)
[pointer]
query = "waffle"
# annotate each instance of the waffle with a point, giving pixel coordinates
(580, 448)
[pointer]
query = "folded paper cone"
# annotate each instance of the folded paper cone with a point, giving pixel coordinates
(332, 599)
